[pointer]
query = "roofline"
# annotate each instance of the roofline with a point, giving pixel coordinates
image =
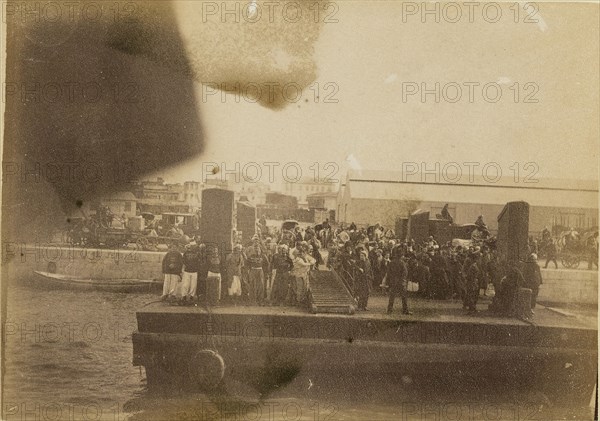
(473, 185)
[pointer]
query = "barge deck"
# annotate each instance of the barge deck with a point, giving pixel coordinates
(271, 350)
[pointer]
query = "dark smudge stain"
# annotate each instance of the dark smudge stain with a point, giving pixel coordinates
(145, 117)
(131, 38)
(233, 57)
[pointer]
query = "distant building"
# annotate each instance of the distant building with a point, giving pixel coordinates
(322, 201)
(278, 206)
(275, 199)
(192, 194)
(121, 203)
(369, 197)
(156, 196)
(217, 183)
(301, 189)
(254, 192)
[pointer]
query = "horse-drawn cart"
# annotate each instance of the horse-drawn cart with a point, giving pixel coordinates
(119, 238)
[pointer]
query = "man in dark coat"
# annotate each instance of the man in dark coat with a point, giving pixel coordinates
(439, 279)
(172, 265)
(256, 262)
(378, 266)
(397, 280)
(533, 277)
(551, 253)
(282, 264)
(505, 297)
(592, 249)
(473, 274)
(191, 263)
(364, 280)
(455, 275)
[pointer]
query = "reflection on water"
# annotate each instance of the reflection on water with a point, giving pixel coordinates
(69, 357)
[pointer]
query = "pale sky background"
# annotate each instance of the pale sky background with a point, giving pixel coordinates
(370, 52)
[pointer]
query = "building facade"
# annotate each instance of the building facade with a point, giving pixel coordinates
(122, 203)
(156, 196)
(322, 201)
(377, 196)
(307, 186)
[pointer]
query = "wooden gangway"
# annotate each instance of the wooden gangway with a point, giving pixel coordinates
(329, 294)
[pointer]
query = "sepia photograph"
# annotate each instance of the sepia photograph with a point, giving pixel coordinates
(299, 210)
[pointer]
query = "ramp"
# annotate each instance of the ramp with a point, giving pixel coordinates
(328, 294)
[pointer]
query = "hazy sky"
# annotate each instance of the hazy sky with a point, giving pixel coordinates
(375, 53)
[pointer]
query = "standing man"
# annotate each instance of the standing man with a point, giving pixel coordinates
(364, 280)
(256, 277)
(455, 275)
(234, 265)
(592, 244)
(191, 262)
(282, 264)
(551, 253)
(326, 233)
(213, 274)
(484, 262)
(473, 274)
(270, 249)
(439, 288)
(302, 263)
(172, 265)
(262, 222)
(397, 279)
(532, 277)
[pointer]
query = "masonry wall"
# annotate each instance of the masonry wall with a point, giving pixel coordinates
(20, 260)
(569, 287)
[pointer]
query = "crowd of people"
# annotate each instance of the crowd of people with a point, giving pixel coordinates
(369, 260)
(431, 270)
(263, 272)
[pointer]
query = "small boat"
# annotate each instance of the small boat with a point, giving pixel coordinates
(55, 280)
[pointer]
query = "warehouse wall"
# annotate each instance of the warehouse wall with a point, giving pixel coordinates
(385, 211)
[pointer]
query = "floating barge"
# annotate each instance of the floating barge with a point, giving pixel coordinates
(275, 350)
